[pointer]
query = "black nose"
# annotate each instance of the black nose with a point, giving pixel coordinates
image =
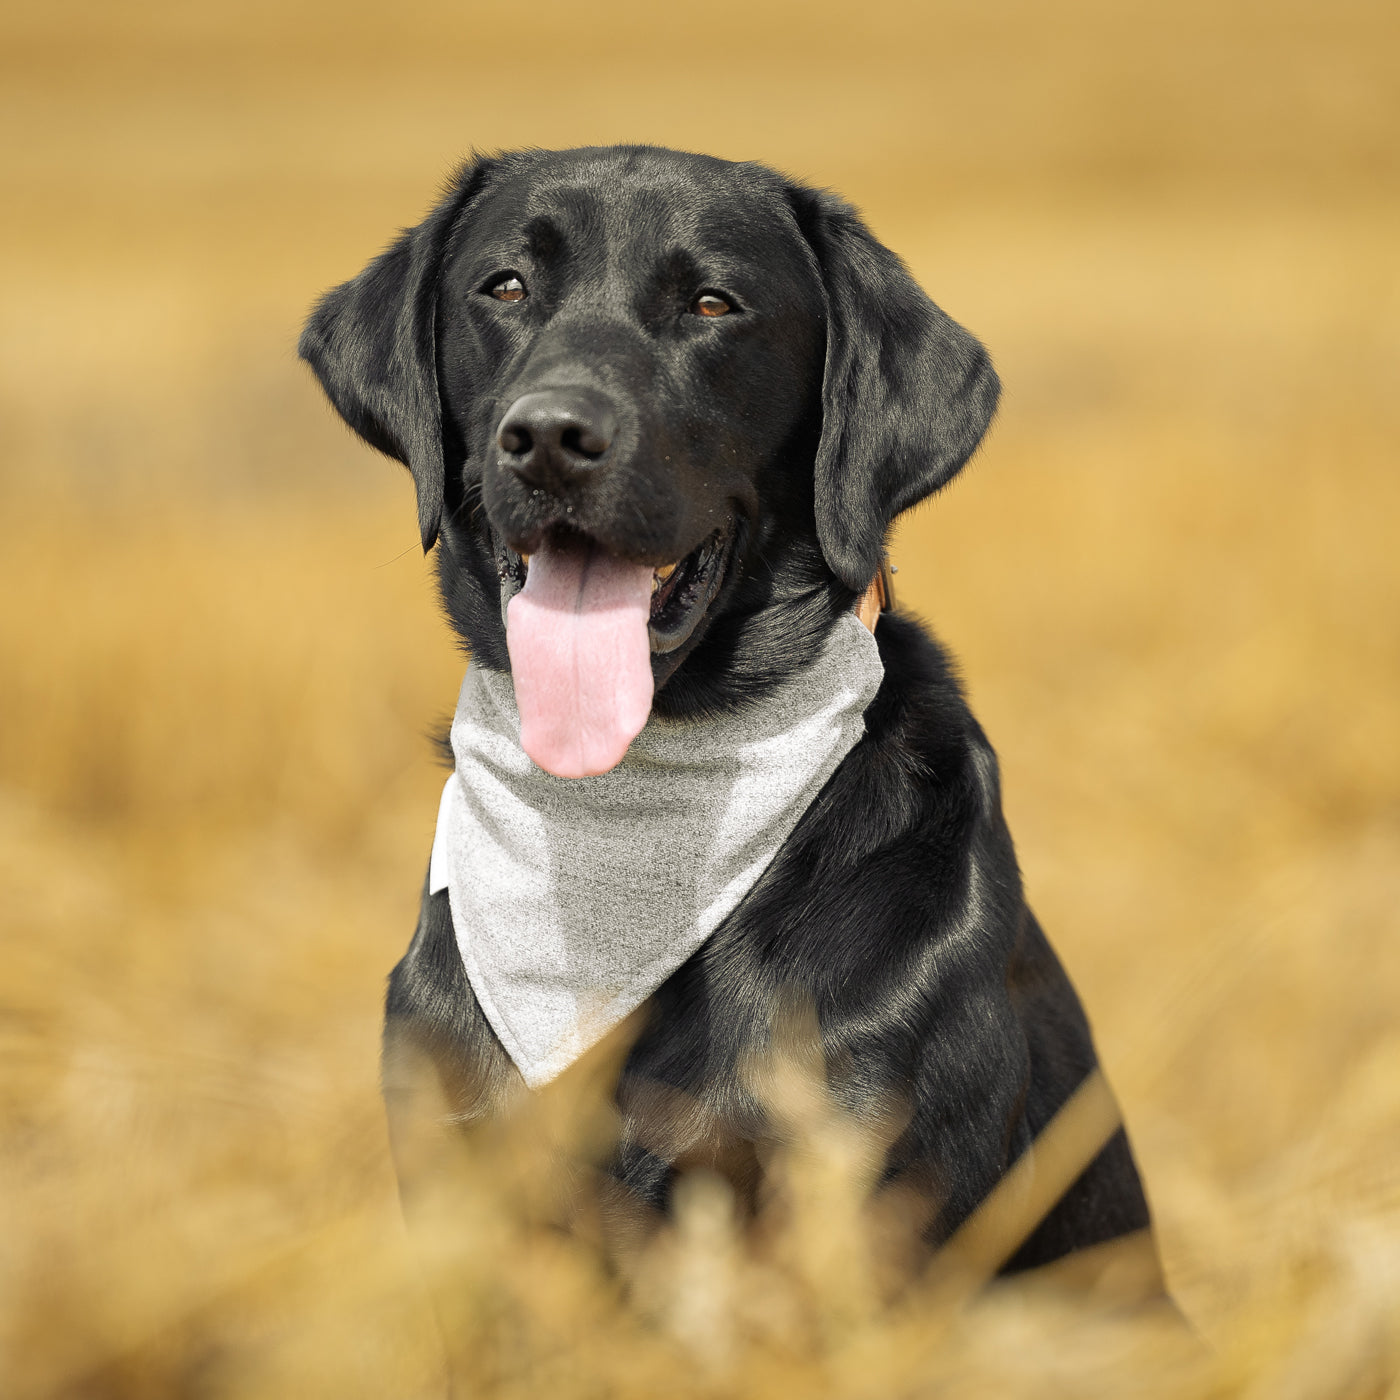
(556, 436)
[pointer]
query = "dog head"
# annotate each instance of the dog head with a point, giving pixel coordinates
(660, 410)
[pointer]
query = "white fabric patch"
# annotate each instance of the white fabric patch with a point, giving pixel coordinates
(574, 899)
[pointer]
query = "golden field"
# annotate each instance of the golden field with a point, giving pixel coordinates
(1171, 577)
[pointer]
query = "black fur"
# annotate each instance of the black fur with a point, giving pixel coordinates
(834, 396)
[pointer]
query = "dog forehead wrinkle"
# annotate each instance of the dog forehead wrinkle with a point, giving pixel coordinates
(518, 217)
(606, 239)
(545, 238)
(668, 210)
(647, 228)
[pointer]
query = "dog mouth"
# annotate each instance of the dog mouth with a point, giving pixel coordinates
(681, 593)
(583, 626)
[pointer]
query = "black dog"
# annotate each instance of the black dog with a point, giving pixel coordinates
(655, 359)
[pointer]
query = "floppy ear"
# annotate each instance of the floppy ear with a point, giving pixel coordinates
(906, 395)
(373, 344)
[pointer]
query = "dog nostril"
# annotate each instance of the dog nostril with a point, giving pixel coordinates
(583, 442)
(515, 440)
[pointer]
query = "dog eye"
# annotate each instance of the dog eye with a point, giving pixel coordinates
(709, 304)
(509, 288)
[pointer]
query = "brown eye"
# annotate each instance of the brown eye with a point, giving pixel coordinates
(509, 289)
(708, 304)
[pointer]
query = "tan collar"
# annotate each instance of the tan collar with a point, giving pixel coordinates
(878, 598)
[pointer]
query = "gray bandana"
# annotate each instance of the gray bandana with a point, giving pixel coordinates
(575, 898)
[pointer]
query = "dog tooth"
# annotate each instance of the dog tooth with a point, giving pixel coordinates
(664, 572)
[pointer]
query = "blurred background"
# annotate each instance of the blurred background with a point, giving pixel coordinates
(1171, 577)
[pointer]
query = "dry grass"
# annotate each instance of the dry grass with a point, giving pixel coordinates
(1170, 577)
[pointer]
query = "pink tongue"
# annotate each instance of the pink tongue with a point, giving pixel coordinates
(580, 657)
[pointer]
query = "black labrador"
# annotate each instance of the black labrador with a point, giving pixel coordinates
(717, 373)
